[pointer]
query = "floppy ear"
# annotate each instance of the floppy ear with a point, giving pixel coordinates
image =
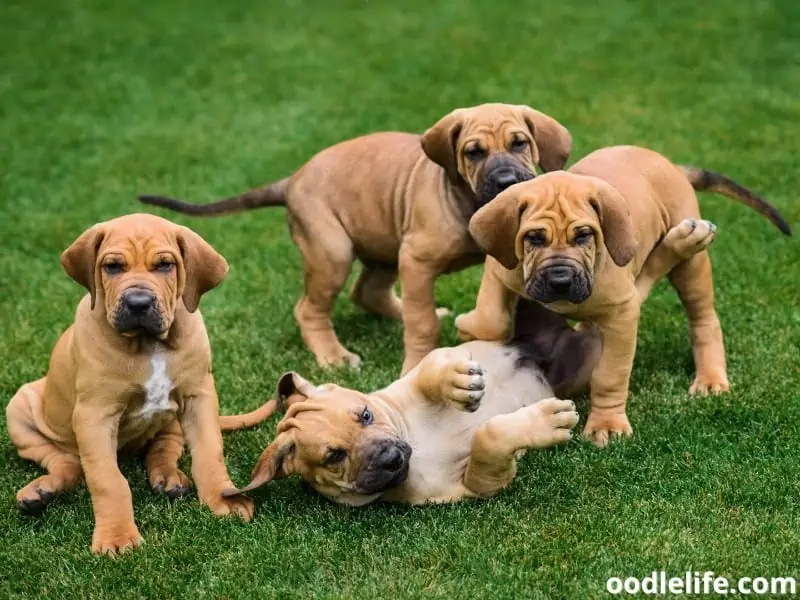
(204, 268)
(439, 142)
(270, 465)
(293, 388)
(80, 259)
(553, 140)
(495, 225)
(619, 234)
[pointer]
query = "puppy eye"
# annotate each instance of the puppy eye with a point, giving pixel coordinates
(114, 268)
(519, 145)
(475, 154)
(366, 417)
(336, 455)
(536, 239)
(584, 237)
(164, 266)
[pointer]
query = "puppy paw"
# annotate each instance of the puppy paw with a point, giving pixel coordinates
(34, 497)
(115, 538)
(710, 383)
(690, 236)
(240, 506)
(442, 312)
(463, 385)
(173, 483)
(600, 429)
(551, 422)
(339, 359)
(471, 326)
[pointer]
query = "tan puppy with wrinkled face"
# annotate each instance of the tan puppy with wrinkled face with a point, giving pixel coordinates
(451, 428)
(590, 243)
(134, 369)
(401, 204)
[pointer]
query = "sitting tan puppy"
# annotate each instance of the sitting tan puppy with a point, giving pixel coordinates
(134, 369)
(401, 204)
(590, 243)
(451, 428)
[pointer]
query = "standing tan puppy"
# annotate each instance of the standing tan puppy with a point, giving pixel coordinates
(590, 243)
(401, 204)
(452, 428)
(133, 370)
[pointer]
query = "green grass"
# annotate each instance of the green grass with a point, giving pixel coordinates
(101, 100)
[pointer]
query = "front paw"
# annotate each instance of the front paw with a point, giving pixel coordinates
(463, 385)
(709, 383)
(173, 483)
(241, 506)
(552, 422)
(474, 326)
(601, 428)
(115, 538)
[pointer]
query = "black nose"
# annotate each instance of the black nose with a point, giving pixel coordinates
(559, 278)
(504, 178)
(390, 458)
(138, 301)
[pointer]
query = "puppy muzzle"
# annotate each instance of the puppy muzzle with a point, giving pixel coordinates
(138, 314)
(500, 174)
(558, 282)
(386, 466)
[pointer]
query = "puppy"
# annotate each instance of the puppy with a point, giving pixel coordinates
(451, 428)
(590, 243)
(401, 204)
(133, 371)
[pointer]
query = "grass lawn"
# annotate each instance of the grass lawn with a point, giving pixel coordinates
(101, 100)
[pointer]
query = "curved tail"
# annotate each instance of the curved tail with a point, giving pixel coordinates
(251, 419)
(707, 181)
(272, 194)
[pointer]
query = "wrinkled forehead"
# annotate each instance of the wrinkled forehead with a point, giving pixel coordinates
(557, 197)
(497, 126)
(139, 240)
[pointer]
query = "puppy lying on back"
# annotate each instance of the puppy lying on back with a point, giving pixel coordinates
(133, 372)
(451, 428)
(589, 243)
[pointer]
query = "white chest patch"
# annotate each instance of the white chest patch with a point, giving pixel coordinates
(157, 388)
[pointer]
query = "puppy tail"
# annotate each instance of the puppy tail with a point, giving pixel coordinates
(251, 419)
(272, 194)
(708, 181)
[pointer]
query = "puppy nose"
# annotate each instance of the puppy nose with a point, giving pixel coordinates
(390, 458)
(559, 278)
(138, 301)
(504, 178)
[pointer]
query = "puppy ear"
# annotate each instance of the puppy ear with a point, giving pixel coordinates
(292, 388)
(495, 225)
(619, 234)
(270, 465)
(204, 268)
(553, 140)
(439, 142)
(80, 259)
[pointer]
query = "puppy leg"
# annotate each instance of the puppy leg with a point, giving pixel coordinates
(327, 259)
(374, 292)
(448, 375)
(63, 468)
(162, 458)
(490, 320)
(492, 462)
(610, 379)
(200, 424)
(96, 425)
(420, 323)
(687, 238)
(694, 283)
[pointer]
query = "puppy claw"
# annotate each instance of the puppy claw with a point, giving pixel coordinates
(116, 539)
(601, 429)
(703, 386)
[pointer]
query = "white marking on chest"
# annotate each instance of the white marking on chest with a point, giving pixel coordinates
(157, 388)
